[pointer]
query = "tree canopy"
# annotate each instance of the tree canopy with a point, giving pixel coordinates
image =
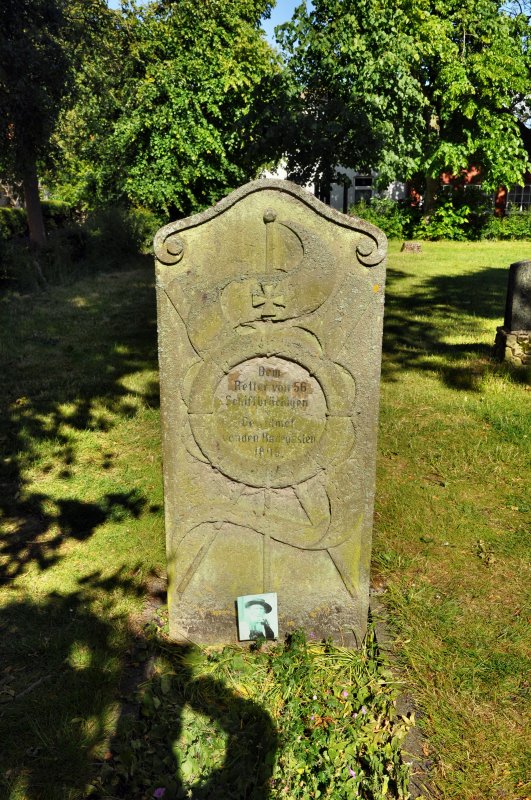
(163, 104)
(185, 107)
(33, 80)
(192, 104)
(42, 43)
(402, 86)
(358, 103)
(171, 104)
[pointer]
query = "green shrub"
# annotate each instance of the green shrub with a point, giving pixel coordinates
(460, 214)
(447, 221)
(56, 214)
(516, 225)
(116, 234)
(395, 219)
(109, 239)
(64, 254)
(19, 269)
(143, 225)
(12, 223)
(61, 260)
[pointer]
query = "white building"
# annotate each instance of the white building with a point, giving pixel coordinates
(342, 197)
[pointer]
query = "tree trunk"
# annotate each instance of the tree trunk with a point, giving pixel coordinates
(33, 206)
(432, 185)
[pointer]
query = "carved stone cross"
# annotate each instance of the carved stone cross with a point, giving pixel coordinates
(268, 300)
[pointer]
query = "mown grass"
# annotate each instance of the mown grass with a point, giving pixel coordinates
(82, 528)
(453, 522)
(80, 512)
(83, 542)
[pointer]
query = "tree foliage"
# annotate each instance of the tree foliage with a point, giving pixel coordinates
(82, 169)
(33, 80)
(358, 103)
(408, 85)
(41, 43)
(187, 94)
(192, 105)
(476, 77)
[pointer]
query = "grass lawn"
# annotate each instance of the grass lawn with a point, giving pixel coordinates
(452, 528)
(82, 537)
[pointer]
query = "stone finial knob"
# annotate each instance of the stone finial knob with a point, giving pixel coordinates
(269, 215)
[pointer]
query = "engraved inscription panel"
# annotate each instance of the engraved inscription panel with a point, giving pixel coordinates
(269, 409)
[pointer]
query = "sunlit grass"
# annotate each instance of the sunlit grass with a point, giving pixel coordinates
(82, 525)
(297, 719)
(452, 526)
(81, 517)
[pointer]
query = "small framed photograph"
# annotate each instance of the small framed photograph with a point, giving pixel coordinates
(257, 617)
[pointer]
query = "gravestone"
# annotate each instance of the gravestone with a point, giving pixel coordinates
(270, 310)
(513, 338)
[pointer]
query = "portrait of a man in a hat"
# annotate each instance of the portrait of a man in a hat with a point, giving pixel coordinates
(255, 617)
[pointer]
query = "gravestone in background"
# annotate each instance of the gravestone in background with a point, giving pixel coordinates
(270, 309)
(513, 338)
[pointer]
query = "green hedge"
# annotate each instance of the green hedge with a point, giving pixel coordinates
(12, 223)
(516, 225)
(107, 240)
(395, 219)
(457, 216)
(56, 214)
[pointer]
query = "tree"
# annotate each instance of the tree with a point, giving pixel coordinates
(41, 44)
(356, 102)
(476, 74)
(402, 86)
(200, 82)
(82, 169)
(33, 80)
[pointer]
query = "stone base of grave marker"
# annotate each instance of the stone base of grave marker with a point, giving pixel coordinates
(270, 310)
(514, 347)
(513, 338)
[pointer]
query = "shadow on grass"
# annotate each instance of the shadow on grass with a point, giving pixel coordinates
(63, 658)
(229, 754)
(75, 520)
(418, 323)
(68, 355)
(69, 351)
(61, 661)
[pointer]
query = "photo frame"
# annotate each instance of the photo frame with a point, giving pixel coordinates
(257, 617)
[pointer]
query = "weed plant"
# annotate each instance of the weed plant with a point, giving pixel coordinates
(301, 720)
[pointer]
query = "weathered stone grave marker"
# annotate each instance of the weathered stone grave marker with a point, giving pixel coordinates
(270, 310)
(513, 338)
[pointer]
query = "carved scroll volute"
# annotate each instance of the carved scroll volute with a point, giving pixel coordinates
(371, 250)
(169, 248)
